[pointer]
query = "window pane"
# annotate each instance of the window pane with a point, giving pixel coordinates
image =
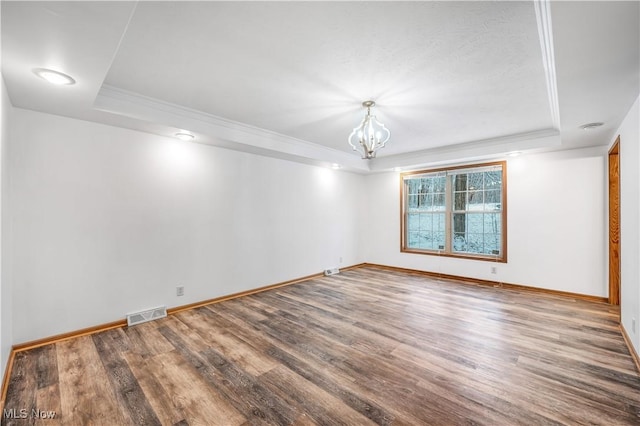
(492, 200)
(440, 240)
(439, 201)
(471, 212)
(428, 202)
(459, 182)
(475, 181)
(492, 244)
(412, 201)
(475, 200)
(459, 222)
(492, 223)
(425, 222)
(459, 241)
(475, 243)
(426, 193)
(475, 223)
(476, 232)
(459, 201)
(492, 180)
(413, 186)
(413, 240)
(439, 222)
(425, 230)
(413, 222)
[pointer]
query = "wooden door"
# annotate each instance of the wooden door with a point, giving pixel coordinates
(614, 223)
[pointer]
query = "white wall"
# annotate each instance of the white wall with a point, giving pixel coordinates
(108, 221)
(630, 221)
(556, 225)
(6, 307)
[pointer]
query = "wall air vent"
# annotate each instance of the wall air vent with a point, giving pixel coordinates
(148, 315)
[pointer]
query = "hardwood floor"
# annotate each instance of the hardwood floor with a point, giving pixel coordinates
(367, 346)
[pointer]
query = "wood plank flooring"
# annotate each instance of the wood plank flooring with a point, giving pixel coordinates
(367, 346)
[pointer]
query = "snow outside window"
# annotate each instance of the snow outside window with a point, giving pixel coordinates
(457, 211)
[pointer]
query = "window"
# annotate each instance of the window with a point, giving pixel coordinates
(457, 211)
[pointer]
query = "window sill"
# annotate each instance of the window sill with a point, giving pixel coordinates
(466, 256)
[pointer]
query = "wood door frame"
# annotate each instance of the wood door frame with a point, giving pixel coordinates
(614, 222)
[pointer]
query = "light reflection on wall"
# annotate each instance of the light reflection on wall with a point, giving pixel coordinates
(516, 164)
(177, 159)
(326, 178)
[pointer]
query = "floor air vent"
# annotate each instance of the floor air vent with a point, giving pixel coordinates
(148, 315)
(331, 271)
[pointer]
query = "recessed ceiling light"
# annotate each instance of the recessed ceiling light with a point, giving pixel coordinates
(336, 166)
(591, 126)
(54, 77)
(514, 153)
(184, 136)
(397, 169)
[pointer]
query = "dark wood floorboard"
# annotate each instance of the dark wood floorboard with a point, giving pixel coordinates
(367, 346)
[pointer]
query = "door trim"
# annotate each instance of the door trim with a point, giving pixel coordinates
(614, 223)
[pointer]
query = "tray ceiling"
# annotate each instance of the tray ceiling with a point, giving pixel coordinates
(452, 80)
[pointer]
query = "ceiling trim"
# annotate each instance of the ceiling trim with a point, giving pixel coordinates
(224, 133)
(218, 131)
(474, 150)
(545, 33)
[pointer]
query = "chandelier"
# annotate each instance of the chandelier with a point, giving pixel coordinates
(370, 135)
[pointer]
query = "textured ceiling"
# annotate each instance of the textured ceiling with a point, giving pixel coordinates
(303, 69)
(452, 80)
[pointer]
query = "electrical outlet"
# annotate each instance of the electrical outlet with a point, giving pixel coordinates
(180, 290)
(340, 259)
(633, 325)
(494, 270)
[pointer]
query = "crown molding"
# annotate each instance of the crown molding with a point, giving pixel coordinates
(218, 131)
(545, 33)
(224, 133)
(473, 150)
